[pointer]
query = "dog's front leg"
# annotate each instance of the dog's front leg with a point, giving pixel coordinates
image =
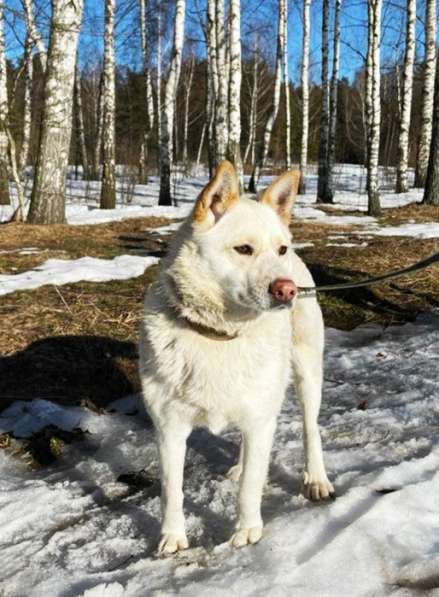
(307, 364)
(256, 445)
(172, 446)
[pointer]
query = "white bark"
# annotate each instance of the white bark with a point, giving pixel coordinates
(167, 125)
(263, 148)
(253, 110)
(187, 92)
(234, 148)
(4, 169)
(34, 34)
(143, 161)
(322, 183)
(48, 192)
(427, 93)
(221, 98)
(212, 84)
(108, 186)
(305, 95)
(27, 108)
(407, 93)
(431, 191)
(373, 107)
(200, 146)
(287, 94)
(333, 102)
(159, 76)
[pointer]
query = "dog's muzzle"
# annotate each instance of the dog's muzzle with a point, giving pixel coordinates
(283, 290)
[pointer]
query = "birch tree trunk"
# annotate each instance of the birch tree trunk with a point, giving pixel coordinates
(48, 192)
(212, 84)
(333, 103)
(322, 183)
(234, 148)
(143, 160)
(427, 93)
(407, 92)
(99, 129)
(431, 191)
(262, 150)
(27, 107)
(4, 170)
(80, 125)
(34, 34)
(167, 125)
(200, 146)
(287, 94)
(373, 107)
(221, 98)
(108, 186)
(253, 110)
(159, 78)
(305, 96)
(188, 87)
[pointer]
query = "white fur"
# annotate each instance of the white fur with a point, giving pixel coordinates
(191, 379)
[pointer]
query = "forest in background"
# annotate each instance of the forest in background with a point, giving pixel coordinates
(160, 84)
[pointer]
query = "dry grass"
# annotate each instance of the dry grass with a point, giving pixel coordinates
(77, 343)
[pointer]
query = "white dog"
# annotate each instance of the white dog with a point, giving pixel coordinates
(221, 333)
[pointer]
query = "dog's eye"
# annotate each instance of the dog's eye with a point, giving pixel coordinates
(244, 249)
(283, 249)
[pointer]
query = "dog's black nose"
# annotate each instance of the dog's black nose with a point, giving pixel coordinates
(283, 290)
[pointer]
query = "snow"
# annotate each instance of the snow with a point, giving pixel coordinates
(427, 230)
(67, 271)
(140, 201)
(73, 529)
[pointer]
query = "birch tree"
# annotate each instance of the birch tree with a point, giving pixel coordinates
(333, 96)
(322, 183)
(427, 93)
(108, 186)
(167, 124)
(212, 83)
(221, 98)
(48, 192)
(99, 128)
(262, 150)
(158, 81)
(373, 105)
(143, 161)
(34, 34)
(407, 92)
(287, 94)
(187, 95)
(234, 148)
(431, 191)
(304, 77)
(27, 105)
(4, 170)
(80, 124)
(250, 148)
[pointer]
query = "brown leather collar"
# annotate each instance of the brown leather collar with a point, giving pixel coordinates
(210, 333)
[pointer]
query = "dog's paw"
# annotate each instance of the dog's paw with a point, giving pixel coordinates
(317, 488)
(234, 473)
(171, 543)
(244, 537)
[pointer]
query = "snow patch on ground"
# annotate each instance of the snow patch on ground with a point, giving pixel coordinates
(427, 230)
(85, 269)
(73, 529)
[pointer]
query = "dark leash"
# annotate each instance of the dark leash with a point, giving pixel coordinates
(305, 291)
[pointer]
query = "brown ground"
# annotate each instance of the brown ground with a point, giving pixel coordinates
(77, 343)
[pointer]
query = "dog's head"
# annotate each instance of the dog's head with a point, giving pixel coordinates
(245, 245)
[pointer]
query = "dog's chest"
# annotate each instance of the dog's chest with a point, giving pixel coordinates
(226, 382)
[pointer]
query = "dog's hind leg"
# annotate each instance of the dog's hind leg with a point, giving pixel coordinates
(308, 372)
(172, 446)
(257, 441)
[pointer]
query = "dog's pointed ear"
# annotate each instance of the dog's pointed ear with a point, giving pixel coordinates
(280, 195)
(217, 197)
